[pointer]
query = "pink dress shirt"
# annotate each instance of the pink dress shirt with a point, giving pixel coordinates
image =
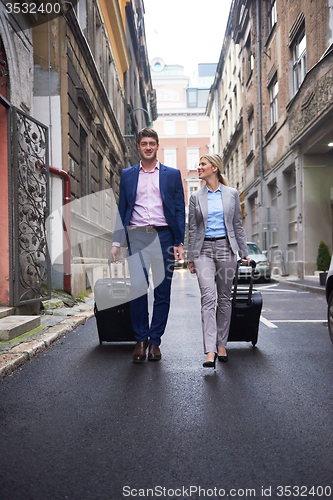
(148, 208)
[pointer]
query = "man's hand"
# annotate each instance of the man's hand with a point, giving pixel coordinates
(191, 267)
(115, 253)
(178, 252)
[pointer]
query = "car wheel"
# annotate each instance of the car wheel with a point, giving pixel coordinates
(267, 279)
(330, 316)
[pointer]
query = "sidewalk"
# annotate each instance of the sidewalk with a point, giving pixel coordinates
(55, 323)
(309, 283)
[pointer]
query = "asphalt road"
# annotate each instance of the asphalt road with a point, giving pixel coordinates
(82, 422)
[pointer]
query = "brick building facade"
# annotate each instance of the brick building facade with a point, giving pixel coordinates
(285, 52)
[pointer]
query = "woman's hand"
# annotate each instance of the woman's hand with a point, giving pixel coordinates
(191, 267)
(248, 258)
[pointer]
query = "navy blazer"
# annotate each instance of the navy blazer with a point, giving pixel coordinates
(172, 193)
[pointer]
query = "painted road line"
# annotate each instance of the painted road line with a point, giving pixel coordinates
(300, 320)
(267, 322)
(278, 290)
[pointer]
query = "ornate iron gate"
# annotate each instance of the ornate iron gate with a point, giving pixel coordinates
(30, 199)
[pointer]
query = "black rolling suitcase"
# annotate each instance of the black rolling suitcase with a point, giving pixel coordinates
(112, 307)
(246, 309)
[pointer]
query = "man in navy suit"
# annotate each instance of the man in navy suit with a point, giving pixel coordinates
(151, 219)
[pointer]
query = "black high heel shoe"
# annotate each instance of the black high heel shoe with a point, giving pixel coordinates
(224, 359)
(210, 364)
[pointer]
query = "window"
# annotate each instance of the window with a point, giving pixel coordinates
(192, 98)
(273, 191)
(254, 218)
(251, 133)
(192, 186)
(249, 59)
(82, 13)
(232, 173)
(170, 157)
(169, 127)
(98, 42)
(192, 158)
(202, 97)
(192, 127)
(272, 17)
(227, 125)
(231, 116)
(299, 60)
(84, 179)
(236, 166)
(292, 207)
(273, 99)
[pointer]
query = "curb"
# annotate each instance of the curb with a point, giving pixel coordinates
(301, 286)
(25, 351)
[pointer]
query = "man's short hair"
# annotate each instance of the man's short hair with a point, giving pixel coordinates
(147, 132)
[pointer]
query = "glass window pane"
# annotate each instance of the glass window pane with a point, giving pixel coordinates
(292, 196)
(292, 232)
(170, 158)
(302, 44)
(292, 214)
(202, 98)
(169, 127)
(192, 98)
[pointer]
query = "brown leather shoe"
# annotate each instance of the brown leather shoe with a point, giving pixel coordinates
(139, 353)
(154, 353)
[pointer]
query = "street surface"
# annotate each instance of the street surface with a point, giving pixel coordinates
(82, 422)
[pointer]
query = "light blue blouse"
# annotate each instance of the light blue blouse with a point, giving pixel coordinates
(215, 222)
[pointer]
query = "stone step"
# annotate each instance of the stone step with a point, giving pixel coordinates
(13, 326)
(6, 311)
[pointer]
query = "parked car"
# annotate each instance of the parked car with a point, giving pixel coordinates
(181, 264)
(329, 298)
(263, 269)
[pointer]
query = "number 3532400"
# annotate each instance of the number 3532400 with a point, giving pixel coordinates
(33, 8)
(304, 491)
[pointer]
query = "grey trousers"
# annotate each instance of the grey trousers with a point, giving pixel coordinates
(215, 269)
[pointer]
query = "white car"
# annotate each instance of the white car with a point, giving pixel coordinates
(329, 298)
(263, 269)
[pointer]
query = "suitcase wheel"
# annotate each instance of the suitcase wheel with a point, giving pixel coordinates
(254, 342)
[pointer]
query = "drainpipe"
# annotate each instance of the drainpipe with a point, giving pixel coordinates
(66, 225)
(66, 217)
(261, 163)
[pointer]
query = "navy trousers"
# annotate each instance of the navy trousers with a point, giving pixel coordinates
(154, 252)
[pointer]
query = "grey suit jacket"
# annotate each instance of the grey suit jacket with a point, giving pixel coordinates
(198, 214)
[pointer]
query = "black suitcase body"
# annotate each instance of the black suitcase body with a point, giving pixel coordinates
(246, 310)
(112, 308)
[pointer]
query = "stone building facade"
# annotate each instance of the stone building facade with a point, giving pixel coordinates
(71, 75)
(285, 50)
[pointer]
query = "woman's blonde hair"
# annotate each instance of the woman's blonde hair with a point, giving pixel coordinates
(217, 162)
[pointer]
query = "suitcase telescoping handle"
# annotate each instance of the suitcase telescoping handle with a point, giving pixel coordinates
(253, 266)
(118, 261)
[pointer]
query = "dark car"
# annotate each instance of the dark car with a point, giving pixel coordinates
(329, 298)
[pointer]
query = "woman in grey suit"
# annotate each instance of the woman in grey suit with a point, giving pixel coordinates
(215, 235)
